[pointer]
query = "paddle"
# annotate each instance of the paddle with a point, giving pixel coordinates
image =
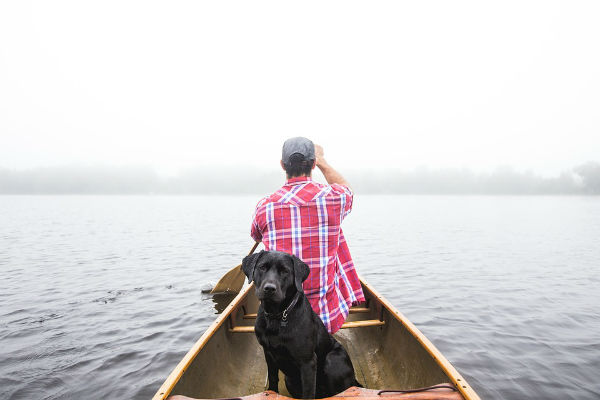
(233, 280)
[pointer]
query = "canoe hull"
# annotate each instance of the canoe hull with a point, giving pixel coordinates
(387, 351)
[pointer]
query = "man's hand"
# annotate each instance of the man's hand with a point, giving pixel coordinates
(319, 155)
(330, 174)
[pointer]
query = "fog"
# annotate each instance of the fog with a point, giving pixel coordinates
(387, 85)
(582, 179)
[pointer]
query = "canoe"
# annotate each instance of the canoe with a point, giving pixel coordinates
(390, 355)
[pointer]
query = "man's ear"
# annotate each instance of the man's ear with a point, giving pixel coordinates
(301, 271)
(249, 263)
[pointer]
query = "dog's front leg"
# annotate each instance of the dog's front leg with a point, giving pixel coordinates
(272, 372)
(308, 374)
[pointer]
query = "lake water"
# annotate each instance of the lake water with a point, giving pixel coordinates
(101, 295)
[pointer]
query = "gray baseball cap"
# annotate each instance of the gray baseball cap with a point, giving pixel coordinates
(299, 145)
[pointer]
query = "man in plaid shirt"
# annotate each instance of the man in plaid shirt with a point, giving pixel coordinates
(303, 218)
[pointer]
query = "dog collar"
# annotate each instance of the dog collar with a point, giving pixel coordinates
(283, 314)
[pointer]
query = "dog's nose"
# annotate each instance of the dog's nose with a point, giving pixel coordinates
(269, 288)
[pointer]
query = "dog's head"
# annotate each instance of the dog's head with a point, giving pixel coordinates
(276, 275)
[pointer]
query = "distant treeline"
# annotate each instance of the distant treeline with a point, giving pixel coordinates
(583, 179)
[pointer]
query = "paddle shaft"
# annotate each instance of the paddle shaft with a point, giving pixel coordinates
(254, 247)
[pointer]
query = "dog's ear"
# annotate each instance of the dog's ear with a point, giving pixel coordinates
(248, 264)
(301, 271)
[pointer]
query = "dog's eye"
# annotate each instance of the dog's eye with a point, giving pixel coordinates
(282, 270)
(262, 267)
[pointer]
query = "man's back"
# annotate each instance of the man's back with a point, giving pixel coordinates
(304, 218)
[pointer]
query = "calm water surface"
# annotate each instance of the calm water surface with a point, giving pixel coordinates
(101, 295)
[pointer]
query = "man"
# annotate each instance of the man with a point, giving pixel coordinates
(303, 218)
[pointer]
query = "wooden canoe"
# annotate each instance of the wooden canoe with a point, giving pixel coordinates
(388, 353)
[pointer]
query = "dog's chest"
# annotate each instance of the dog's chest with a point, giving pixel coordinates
(280, 350)
(278, 343)
(275, 343)
(276, 339)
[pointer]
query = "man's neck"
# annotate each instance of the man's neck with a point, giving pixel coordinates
(298, 180)
(299, 176)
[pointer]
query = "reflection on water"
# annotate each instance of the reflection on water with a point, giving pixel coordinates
(107, 290)
(222, 300)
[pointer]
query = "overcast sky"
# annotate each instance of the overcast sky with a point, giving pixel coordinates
(176, 84)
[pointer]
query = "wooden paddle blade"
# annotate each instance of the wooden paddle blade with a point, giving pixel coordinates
(232, 281)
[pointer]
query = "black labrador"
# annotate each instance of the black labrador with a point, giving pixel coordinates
(292, 335)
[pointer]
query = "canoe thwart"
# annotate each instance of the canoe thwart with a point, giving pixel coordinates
(354, 310)
(346, 325)
(242, 329)
(362, 324)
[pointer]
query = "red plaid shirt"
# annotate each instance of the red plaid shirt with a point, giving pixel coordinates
(303, 218)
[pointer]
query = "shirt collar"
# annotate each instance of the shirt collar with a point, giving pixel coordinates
(298, 180)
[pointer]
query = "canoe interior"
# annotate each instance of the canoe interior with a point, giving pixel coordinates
(232, 364)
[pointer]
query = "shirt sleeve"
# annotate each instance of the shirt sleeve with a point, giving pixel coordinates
(255, 229)
(347, 197)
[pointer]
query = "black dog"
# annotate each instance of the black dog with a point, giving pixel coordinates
(293, 336)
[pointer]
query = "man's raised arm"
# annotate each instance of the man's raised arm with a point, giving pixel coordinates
(330, 174)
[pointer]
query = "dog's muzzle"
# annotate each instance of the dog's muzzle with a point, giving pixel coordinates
(268, 290)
